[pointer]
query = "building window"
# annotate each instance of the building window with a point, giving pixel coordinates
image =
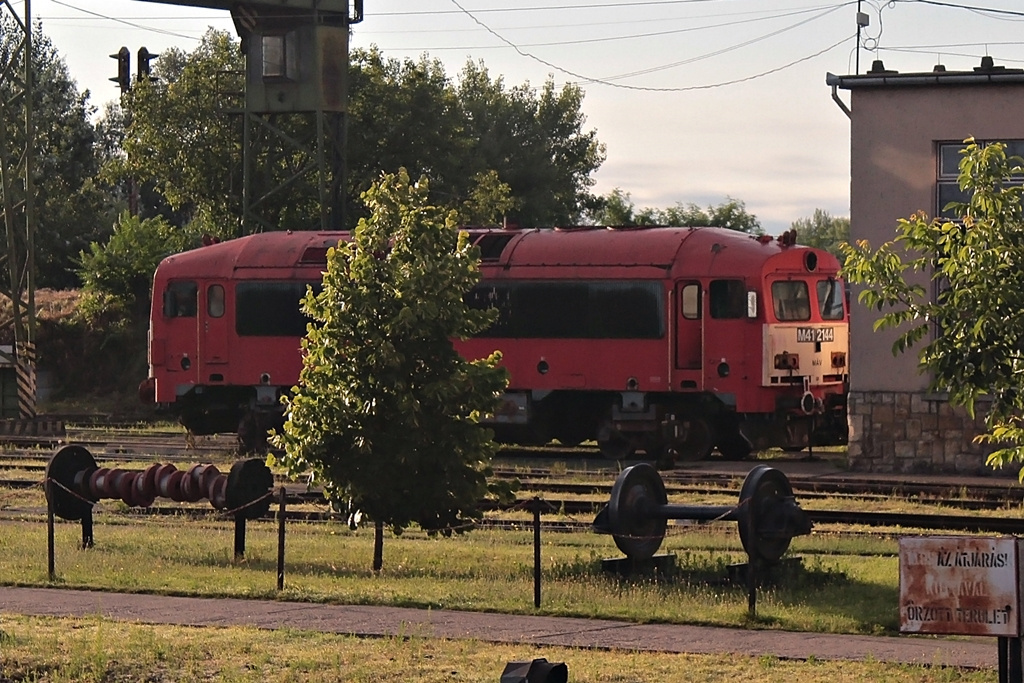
(947, 188)
(280, 56)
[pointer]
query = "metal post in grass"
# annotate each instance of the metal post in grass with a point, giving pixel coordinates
(87, 539)
(536, 552)
(1010, 660)
(1014, 672)
(239, 535)
(280, 540)
(752, 588)
(50, 564)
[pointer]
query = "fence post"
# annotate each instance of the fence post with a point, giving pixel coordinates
(536, 552)
(280, 541)
(50, 563)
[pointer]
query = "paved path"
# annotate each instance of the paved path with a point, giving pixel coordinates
(503, 628)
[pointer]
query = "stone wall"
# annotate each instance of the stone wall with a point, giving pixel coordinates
(900, 431)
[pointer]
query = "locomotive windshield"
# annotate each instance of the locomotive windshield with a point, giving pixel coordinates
(790, 300)
(830, 299)
(573, 310)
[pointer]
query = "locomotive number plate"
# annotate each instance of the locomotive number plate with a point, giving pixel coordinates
(815, 334)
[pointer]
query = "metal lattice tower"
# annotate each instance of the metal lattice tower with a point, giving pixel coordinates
(17, 195)
(295, 105)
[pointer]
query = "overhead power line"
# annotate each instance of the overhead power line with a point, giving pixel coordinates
(126, 23)
(610, 83)
(973, 8)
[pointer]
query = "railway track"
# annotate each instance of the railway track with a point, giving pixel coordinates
(126, 444)
(571, 509)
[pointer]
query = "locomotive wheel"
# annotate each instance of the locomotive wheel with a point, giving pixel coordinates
(734, 446)
(636, 490)
(252, 438)
(613, 444)
(763, 488)
(699, 441)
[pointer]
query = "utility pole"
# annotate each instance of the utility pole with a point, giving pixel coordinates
(862, 21)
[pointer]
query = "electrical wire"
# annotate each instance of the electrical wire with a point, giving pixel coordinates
(725, 50)
(973, 8)
(589, 79)
(127, 23)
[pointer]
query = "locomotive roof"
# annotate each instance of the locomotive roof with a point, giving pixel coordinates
(281, 249)
(696, 249)
(650, 246)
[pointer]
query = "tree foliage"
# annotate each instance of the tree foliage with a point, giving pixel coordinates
(617, 208)
(974, 301)
(178, 138)
(472, 136)
(117, 275)
(824, 231)
(386, 411)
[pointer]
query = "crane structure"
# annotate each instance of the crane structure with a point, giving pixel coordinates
(294, 103)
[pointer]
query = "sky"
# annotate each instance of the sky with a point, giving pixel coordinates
(695, 100)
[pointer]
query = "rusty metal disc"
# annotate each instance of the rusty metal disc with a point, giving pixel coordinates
(637, 490)
(763, 489)
(68, 502)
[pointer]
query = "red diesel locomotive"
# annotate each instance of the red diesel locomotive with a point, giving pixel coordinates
(673, 341)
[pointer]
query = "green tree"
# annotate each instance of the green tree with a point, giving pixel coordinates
(117, 275)
(976, 264)
(534, 140)
(386, 411)
(71, 208)
(522, 152)
(824, 231)
(489, 201)
(178, 139)
(617, 208)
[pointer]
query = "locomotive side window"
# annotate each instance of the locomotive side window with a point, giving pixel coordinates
(271, 309)
(215, 301)
(830, 299)
(690, 302)
(573, 310)
(180, 300)
(790, 300)
(728, 299)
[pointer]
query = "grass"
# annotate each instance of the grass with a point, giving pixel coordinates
(846, 590)
(96, 650)
(845, 585)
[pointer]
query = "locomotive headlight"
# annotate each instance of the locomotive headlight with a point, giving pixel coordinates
(839, 359)
(787, 361)
(723, 369)
(185, 363)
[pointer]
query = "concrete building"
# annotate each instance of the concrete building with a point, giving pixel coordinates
(906, 133)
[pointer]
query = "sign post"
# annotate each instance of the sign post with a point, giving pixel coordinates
(965, 585)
